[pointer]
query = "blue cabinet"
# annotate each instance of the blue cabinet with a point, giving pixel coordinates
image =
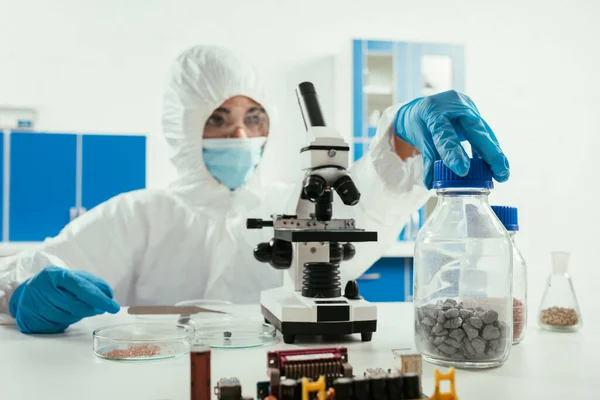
(390, 279)
(52, 176)
(42, 184)
(111, 165)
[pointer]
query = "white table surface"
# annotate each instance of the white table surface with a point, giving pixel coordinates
(544, 366)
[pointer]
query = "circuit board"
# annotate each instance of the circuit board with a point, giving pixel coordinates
(326, 374)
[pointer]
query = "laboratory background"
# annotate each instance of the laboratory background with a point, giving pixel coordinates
(96, 70)
(82, 82)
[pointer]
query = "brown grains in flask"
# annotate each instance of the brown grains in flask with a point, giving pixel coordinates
(559, 316)
(519, 318)
(147, 350)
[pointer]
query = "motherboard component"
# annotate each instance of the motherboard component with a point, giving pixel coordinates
(313, 363)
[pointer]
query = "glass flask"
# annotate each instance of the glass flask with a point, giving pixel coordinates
(463, 275)
(510, 219)
(559, 310)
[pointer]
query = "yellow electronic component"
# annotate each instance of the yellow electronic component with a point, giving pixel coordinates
(449, 376)
(318, 386)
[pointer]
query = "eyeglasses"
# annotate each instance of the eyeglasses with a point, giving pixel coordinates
(225, 124)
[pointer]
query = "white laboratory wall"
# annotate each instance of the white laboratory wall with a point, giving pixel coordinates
(532, 68)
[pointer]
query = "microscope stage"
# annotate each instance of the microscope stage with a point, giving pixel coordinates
(325, 235)
(292, 314)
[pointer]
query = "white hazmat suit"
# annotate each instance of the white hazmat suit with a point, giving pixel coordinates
(190, 241)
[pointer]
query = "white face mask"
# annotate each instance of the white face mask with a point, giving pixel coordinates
(232, 161)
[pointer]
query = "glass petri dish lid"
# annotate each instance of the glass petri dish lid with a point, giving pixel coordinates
(213, 304)
(201, 318)
(143, 341)
(235, 334)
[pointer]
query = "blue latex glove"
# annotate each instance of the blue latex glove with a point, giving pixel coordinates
(56, 298)
(436, 125)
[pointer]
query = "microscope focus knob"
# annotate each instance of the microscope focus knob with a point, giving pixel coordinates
(277, 252)
(351, 291)
(263, 252)
(336, 252)
(349, 251)
(281, 257)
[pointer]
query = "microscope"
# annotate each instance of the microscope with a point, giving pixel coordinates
(311, 244)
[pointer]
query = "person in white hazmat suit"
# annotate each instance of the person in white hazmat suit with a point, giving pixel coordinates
(190, 241)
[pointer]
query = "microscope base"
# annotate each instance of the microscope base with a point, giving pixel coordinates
(294, 315)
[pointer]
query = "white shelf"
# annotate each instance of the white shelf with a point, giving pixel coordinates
(401, 249)
(375, 91)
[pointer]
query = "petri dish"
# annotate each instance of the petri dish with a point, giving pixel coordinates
(143, 341)
(235, 334)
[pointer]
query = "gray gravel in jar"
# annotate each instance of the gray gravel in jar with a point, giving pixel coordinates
(449, 330)
(452, 313)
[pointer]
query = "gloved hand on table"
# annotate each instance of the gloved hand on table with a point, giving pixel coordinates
(55, 298)
(436, 125)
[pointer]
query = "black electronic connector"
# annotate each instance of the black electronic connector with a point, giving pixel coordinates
(411, 386)
(288, 389)
(362, 388)
(379, 388)
(262, 390)
(343, 388)
(394, 387)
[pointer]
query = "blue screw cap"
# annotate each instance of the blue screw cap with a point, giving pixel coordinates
(509, 216)
(479, 176)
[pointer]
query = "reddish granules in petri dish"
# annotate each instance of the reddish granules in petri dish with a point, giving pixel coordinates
(146, 350)
(519, 318)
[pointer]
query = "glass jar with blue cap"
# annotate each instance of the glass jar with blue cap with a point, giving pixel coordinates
(463, 274)
(509, 216)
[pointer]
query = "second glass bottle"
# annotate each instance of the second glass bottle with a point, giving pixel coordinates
(509, 216)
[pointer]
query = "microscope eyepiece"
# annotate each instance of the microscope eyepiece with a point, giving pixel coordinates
(347, 190)
(309, 105)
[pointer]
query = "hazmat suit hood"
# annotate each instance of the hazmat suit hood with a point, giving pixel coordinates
(200, 80)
